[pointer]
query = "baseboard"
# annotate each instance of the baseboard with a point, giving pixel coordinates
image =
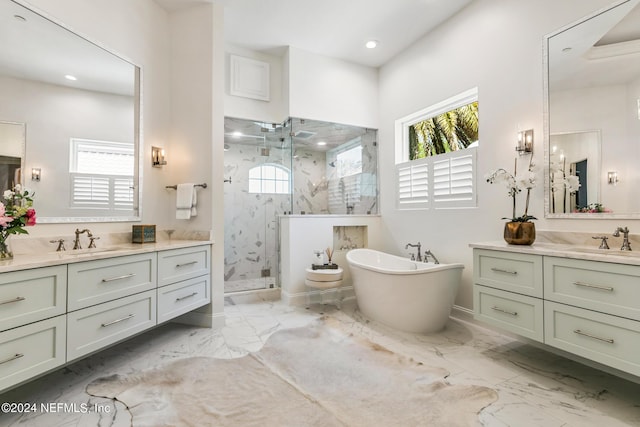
(254, 296)
(462, 313)
(204, 320)
(318, 296)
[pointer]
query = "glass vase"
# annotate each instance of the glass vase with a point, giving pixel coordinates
(519, 233)
(5, 247)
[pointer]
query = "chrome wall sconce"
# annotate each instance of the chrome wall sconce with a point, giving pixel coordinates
(525, 142)
(612, 177)
(35, 174)
(157, 157)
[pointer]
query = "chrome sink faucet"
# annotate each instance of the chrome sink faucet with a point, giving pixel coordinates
(76, 242)
(417, 245)
(626, 246)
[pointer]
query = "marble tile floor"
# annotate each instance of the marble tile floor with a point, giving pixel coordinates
(535, 387)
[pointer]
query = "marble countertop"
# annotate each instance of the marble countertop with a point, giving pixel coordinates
(590, 253)
(24, 261)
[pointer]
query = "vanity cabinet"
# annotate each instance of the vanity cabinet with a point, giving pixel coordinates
(585, 307)
(508, 292)
(53, 315)
(183, 281)
(592, 309)
(95, 282)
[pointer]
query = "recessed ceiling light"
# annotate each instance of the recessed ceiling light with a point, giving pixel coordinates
(321, 143)
(70, 77)
(371, 44)
(20, 18)
(566, 49)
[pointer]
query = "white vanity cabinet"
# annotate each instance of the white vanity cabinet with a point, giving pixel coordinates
(592, 309)
(589, 308)
(183, 281)
(33, 323)
(54, 314)
(508, 291)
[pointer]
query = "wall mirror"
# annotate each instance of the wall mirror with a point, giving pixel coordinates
(79, 106)
(592, 116)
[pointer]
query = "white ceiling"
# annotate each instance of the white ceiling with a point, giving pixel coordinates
(335, 28)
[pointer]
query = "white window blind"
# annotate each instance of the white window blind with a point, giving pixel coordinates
(101, 174)
(443, 181)
(413, 184)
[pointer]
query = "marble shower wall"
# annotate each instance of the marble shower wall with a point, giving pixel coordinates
(310, 184)
(250, 220)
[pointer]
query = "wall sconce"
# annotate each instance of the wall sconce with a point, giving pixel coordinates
(525, 142)
(35, 174)
(612, 177)
(157, 157)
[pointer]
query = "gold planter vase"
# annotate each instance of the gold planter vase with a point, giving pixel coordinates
(519, 233)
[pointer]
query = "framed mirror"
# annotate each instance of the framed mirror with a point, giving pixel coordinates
(80, 109)
(592, 116)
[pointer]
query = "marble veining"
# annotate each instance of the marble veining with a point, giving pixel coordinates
(535, 387)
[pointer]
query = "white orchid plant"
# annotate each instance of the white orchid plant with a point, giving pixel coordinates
(560, 181)
(515, 184)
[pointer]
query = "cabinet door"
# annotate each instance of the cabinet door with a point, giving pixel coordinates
(520, 314)
(32, 295)
(601, 286)
(182, 297)
(610, 340)
(31, 350)
(98, 281)
(514, 272)
(176, 265)
(94, 328)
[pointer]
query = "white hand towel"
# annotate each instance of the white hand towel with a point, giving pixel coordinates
(184, 198)
(194, 202)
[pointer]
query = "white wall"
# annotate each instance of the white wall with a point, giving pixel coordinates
(331, 90)
(273, 111)
(495, 45)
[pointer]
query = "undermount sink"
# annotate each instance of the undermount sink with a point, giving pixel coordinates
(597, 251)
(87, 252)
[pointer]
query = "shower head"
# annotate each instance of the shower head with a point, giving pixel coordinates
(332, 164)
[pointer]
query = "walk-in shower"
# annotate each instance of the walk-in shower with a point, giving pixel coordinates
(299, 167)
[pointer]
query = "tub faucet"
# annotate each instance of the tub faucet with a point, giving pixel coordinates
(428, 254)
(626, 246)
(417, 245)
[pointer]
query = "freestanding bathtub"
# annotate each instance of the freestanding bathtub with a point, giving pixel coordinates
(407, 295)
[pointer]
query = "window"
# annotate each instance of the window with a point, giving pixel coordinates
(349, 162)
(436, 155)
(101, 174)
(269, 178)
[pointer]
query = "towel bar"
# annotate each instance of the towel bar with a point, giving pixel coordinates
(175, 187)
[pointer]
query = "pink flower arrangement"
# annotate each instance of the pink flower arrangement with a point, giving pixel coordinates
(16, 212)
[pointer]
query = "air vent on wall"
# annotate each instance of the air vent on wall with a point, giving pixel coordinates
(303, 134)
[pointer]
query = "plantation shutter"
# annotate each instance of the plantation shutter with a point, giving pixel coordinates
(454, 179)
(413, 184)
(442, 181)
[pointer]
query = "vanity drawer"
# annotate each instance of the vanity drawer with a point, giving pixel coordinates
(181, 297)
(611, 340)
(93, 328)
(31, 350)
(521, 273)
(606, 287)
(176, 265)
(513, 312)
(94, 282)
(31, 295)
